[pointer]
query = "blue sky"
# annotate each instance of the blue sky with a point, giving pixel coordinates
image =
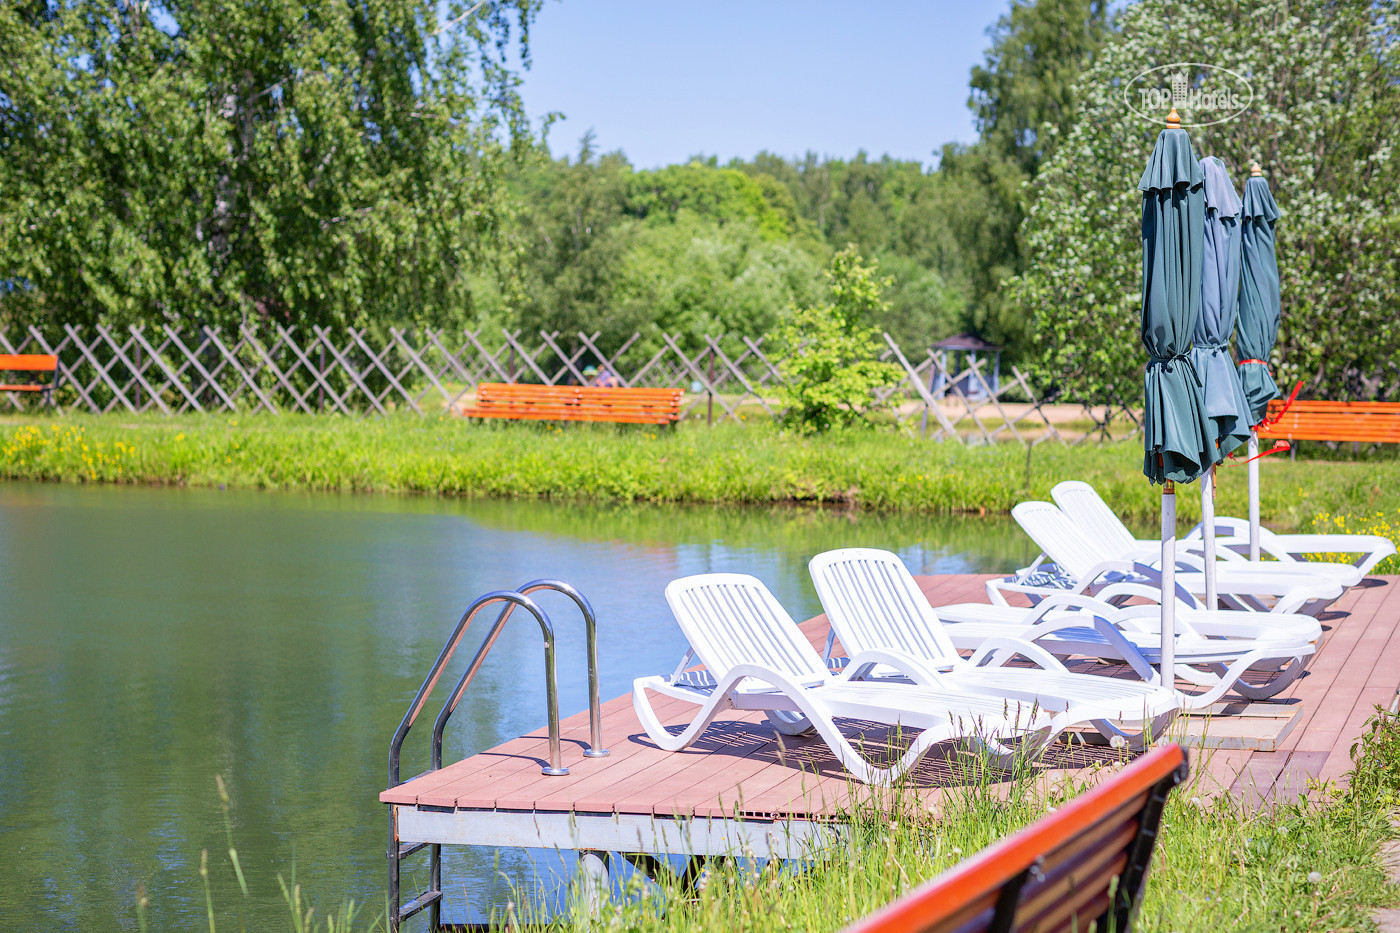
(664, 80)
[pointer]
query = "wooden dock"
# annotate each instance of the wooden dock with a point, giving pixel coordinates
(743, 787)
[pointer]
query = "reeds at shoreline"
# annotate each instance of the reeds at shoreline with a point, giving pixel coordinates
(752, 464)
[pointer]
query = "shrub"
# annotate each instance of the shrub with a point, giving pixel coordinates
(833, 369)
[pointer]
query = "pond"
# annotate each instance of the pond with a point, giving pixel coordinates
(151, 639)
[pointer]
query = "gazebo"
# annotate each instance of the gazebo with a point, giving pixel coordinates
(963, 382)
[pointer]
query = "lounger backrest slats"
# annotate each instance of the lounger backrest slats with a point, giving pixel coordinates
(1083, 505)
(872, 601)
(1080, 867)
(1057, 536)
(732, 618)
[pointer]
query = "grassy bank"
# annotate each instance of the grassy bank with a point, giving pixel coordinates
(1302, 865)
(732, 464)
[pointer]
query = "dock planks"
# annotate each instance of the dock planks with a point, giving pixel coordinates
(742, 767)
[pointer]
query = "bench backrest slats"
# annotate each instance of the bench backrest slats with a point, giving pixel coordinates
(28, 362)
(575, 403)
(1055, 874)
(1319, 420)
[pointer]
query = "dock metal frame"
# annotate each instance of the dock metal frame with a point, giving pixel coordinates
(640, 839)
(400, 845)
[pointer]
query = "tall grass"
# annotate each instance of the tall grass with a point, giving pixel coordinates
(1295, 865)
(729, 464)
(1305, 864)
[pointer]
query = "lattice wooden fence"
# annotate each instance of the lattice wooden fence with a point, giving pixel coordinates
(360, 372)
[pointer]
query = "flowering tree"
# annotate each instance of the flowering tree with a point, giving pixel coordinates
(1326, 105)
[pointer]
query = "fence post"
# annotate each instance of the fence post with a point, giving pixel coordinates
(923, 423)
(321, 389)
(710, 414)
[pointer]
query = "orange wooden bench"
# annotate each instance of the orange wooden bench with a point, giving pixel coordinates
(1373, 422)
(1056, 874)
(575, 403)
(32, 363)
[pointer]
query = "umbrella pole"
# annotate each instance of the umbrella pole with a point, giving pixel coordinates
(1253, 495)
(1168, 664)
(1208, 532)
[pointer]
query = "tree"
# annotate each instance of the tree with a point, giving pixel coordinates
(1023, 100)
(832, 367)
(690, 250)
(308, 163)
(1326, 104)
(1024, 96)
(570, 229)
(896, 211)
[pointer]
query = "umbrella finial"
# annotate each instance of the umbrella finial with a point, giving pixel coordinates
(1255, 170)
(1173, 120)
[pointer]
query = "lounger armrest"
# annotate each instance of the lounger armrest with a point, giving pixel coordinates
(1129, 589)
(1217, 625)
(1154, 580)
(1238, 527)
(997, 590)
(1061, 599)
(1339, 544)
(1224, 528)
(1299, 596)
(1124, 565)
(1150, 557)
(997, 650)
(1126, 649)
(1196, 547)
(922, 671)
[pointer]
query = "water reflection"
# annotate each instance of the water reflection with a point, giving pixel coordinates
(152, 638)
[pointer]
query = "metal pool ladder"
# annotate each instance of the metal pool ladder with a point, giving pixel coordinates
(511, 598)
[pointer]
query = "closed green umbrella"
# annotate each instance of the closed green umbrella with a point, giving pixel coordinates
(1257, 327)
(1226, 405)
(1179, 443)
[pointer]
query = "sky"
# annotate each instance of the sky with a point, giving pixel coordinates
(664, 81)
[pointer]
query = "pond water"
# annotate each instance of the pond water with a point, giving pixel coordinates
(151, 639)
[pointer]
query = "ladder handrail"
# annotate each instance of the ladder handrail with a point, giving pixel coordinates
(590, 628)
(515, 598)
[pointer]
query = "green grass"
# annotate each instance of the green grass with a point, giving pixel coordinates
(1302, 865)
(1309, 864)
(729, 464)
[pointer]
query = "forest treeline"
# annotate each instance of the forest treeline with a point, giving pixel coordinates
(704, 247)
(373, 164)
(358, 164)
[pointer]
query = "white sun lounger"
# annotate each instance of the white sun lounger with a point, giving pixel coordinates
(1233, 533)
(1213, 648)
(1089, 563)
(873, 603)
(756, 658)
(1087, 509)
